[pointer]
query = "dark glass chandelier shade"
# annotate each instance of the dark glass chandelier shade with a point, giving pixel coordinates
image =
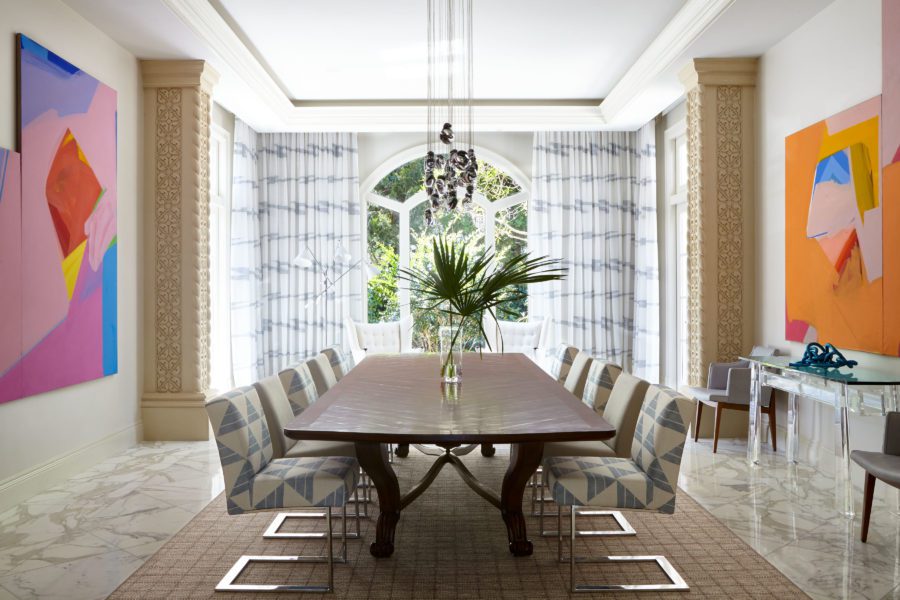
(451, 168)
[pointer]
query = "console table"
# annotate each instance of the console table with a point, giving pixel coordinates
(845, 389)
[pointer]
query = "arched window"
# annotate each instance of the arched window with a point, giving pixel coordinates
(396, 234)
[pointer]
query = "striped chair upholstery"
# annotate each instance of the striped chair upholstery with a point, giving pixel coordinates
(341, 363)
(645, 481)
(561, 362)
(299, 386)
(256, 481)
(599, 384)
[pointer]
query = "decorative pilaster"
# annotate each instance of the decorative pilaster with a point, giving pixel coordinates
(176, 229)
(721, 169)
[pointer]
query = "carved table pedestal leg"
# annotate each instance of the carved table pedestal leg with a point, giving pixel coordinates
(523, 461)
(373, 458)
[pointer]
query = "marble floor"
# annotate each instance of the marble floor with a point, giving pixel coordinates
(81, 539)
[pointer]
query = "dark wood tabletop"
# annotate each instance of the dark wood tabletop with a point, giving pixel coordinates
(503, 398)
(398, 399)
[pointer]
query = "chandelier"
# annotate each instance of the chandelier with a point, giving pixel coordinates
(450, 165)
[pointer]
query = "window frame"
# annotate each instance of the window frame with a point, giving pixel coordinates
(403, 209)
(220, 270)
(675, 201)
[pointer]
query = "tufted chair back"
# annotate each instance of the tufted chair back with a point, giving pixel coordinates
(527, 338)
(379, 338)
(242, 436)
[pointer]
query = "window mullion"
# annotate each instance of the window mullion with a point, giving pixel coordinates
(402, 291)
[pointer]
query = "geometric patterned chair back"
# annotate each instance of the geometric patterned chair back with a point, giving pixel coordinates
(599, 384)
(340, 363)
(561, 362)
(242, 436)
(622, 411)
(578, 372)
(322, 373)
(299, 386)
(659, 436)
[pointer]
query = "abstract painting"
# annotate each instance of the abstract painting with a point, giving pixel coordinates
(834, 226)
(890, 163)
(68, 238)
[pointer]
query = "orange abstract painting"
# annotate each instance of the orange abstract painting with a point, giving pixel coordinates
(835, 232)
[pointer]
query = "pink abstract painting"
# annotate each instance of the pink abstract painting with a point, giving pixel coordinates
(68, 240)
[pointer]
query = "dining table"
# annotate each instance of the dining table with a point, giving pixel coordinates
(400, 399)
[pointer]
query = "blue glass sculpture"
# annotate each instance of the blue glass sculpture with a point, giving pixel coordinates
(823, 357)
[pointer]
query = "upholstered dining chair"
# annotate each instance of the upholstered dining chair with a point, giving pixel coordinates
(578, 373)
(884, 465)
(322, 374)
(621, 408)
(255, 481)
(280, 408)
(302, 389)
(645, 481)
(598, 384)
(561, 362)
(728, 388)
(341, 363)
(379, 338)
(512, 336)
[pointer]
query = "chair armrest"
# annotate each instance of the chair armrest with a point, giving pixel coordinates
(718, 374)
(892, 434)
(738, 385)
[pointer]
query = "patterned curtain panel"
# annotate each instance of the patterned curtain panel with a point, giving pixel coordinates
(594, 206)
(291, 190)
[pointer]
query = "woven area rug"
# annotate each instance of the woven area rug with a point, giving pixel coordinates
(452, 544)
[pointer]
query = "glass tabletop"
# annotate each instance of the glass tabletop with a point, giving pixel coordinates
(854, 376)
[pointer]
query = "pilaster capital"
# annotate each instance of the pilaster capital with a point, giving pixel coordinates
(719, 71)
(179, 73)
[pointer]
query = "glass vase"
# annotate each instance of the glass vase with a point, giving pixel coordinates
(451, 354)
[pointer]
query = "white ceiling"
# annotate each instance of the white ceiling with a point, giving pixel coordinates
(360, 49)
(338, 56)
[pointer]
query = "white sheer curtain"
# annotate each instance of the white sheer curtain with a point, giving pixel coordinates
(594, 206)
(295, 190)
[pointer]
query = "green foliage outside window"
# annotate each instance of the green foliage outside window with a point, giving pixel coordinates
(461, 227)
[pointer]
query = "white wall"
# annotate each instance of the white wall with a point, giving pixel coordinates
(44, 438)
(829, 64)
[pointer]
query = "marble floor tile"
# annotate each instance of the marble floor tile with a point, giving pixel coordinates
(89, 578)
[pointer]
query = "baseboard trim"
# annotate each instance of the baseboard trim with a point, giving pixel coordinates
(24, 485)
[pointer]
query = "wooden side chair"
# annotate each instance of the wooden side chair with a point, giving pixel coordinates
(884, 465)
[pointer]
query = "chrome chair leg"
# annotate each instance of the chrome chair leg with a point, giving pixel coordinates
(273, 532)
(677, 582)
(227, 583)
(625, 528)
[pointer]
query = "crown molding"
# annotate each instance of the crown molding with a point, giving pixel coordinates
(719, 71)
(684, 29)
(203, 19)
(404, 118)
(178, 73)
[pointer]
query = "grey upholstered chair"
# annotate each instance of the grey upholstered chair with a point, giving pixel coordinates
(645, 481)
(255, 481)
(884, 465)
(341, 363)
(561, 362)
(728, 387)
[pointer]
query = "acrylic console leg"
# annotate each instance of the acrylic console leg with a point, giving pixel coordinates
(793, 430)
(753, 441)
(844, 486)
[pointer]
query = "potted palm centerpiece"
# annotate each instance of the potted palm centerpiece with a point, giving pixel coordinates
(464, 285)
